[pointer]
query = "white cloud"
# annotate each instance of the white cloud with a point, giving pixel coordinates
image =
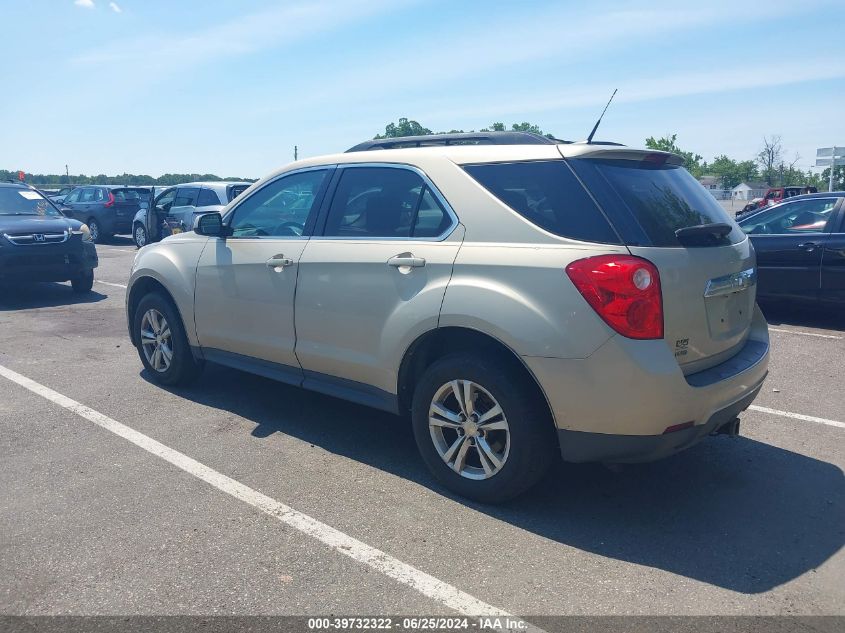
(87, 4)
(278, 27)
(114, 7)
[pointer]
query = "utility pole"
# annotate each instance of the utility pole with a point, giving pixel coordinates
(295, 152)
(67, 173)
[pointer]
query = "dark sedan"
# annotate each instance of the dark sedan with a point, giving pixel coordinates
(800, 248)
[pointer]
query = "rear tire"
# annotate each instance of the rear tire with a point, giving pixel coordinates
(162, 342)
(518, 445)
(139, 236)
(83, 283)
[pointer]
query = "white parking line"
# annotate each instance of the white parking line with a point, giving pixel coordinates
(798, 416)
(108, 283)
(340, 542)
(774, 329)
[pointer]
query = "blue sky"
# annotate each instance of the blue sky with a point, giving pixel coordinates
(229, 87)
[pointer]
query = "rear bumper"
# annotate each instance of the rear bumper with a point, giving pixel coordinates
(48, 262)
(616, 404)
(578, 446)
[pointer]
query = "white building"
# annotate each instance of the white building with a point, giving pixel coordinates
(749, 190)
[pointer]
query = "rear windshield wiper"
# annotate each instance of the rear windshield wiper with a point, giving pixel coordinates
(703, 234)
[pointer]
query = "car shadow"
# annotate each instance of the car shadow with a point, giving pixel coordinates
(733, 512)
(43, 295)
(822, 317)
(119, 240)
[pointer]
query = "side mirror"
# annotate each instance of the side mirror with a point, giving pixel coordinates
(210, 225)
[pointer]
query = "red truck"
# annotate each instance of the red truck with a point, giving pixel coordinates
(776, 195)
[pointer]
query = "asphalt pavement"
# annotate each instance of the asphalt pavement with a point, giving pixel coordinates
(239, 495)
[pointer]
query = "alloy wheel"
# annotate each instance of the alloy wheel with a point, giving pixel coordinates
(156, 340)
(469, 429)
(140, 236)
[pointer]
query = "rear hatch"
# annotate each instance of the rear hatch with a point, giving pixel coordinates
(128, 201)
(705, 261)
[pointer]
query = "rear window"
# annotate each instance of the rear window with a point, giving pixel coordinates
(647, 202)
(130, 195)
(549, 195)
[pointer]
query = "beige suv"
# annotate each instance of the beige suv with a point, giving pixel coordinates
(520, 297)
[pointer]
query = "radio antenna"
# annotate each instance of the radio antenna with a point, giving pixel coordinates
(596, 126)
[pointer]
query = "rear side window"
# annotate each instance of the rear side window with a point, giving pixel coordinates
(207, 198)
(236, 190)
(549, 195)
(648, 202)
(384, 202)
(89, 194)
(186, 197)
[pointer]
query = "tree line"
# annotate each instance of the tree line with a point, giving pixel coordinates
(406, 127)
(771, 164)
(167, 180)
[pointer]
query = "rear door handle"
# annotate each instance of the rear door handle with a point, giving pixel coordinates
(406, 260)
(809, 246)
(279, 261)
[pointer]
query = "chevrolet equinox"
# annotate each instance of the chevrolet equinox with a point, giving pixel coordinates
(519, 298)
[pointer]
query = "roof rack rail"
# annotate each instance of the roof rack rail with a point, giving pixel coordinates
(22, 183)
(462, 138)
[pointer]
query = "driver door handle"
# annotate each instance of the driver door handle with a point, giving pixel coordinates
(406, 260)
(809, 246)
(279, 261)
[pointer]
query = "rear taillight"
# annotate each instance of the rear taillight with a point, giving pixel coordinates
(111, 200)
(624, 290)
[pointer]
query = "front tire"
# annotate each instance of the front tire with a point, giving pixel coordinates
(97, 235)
(162, 342)
(482, 428)
(83, 283)
(139, 236)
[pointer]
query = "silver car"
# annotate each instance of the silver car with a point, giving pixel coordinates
(518, 298)
(174, 208)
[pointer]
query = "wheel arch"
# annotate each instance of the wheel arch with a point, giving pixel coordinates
(436, 343)
(141, 287)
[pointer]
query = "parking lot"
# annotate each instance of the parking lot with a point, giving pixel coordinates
(239, 495)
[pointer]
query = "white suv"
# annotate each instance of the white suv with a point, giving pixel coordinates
(520, 297)
(174, 209)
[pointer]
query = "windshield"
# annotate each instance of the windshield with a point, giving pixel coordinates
(796, 217)
(648, 203)
(18, 201)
